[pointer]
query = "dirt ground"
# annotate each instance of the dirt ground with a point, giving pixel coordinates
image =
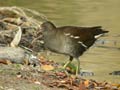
(10, 78)
(24, 77)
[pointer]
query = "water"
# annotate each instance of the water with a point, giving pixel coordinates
(106, 13)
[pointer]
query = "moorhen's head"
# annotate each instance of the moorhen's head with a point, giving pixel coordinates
(45, 26)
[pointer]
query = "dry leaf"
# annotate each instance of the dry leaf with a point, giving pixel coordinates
(3, 61)
(82, 86)
(47, 67)
(19, 76)
(86, 82)
(37, 82)
(17, 38)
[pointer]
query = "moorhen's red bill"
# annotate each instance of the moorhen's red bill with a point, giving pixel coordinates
(70, 40)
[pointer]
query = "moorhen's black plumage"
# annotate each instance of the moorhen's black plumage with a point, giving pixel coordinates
(70, 40)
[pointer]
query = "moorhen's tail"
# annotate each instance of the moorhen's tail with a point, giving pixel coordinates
(97, 30)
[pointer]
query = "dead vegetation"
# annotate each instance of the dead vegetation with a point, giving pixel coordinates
(13, 19)
(18, 28)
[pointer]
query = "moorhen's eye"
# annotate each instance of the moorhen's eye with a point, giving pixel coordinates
(70, 40)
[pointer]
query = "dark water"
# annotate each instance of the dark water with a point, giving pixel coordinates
(100, 60)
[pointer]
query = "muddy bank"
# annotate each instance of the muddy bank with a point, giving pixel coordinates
(9, 78)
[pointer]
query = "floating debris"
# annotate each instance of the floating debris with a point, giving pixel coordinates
(115, 73)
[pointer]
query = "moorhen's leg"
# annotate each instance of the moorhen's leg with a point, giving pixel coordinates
(68, 62)
(78, 67)
(80, 72)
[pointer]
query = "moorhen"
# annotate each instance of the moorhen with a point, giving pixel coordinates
(70, 40)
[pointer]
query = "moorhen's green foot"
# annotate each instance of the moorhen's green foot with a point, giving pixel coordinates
(64, 71)
(80, 72)
(66, 64)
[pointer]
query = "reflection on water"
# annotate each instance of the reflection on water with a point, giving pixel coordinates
(85, 13)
